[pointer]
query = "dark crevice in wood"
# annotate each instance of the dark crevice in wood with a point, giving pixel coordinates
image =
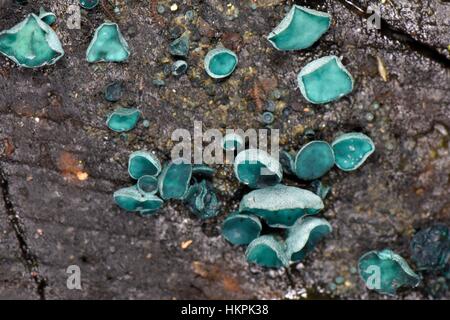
(29, 259)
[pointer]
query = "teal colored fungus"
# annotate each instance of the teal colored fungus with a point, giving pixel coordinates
(314, 160)
(31, 43)
(89, 4)
(179, 68)
(268, 252)
(351, 150)
(108, 45)
(287, 161)
(180, 47)
(257, 169)
(300, 29)
(430, 247)
(304, 235)
(143, 163)
(320, 189)
(48, 17)
(202, 170)
(232, 141)
(130, 199)
(220, 63)
(202, 200)
(147, 184)
(324, 80)
(123, 119)
(280, 206)
(114, 91)
(241, 229)
(174, 180)
(385, 272)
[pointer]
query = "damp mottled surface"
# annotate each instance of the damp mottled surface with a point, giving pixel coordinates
(60, 164)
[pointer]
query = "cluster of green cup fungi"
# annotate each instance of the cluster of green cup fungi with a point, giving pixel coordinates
(178, 180)
(33, 43)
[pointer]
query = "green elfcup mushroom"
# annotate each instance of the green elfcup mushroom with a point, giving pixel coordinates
(202, 170)
(351, 150)
(174, 180)
(232, 141)
(130, 199)
(385, 272)
(241, 229)
(48, 17)
(304, 235)
(89, 4)
(325, 80)
(267, 251)
(314, 160)
(147, 184)
(31, 43)
(202, 200)
(123, 119)
(287, 161)
(220, 63)
(257, 169)
(108, 45)
(300, 29)
(281, 206)
(143, 163)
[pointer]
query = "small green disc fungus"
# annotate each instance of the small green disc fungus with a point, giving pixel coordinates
(31, 43)
(351, 150)
(108, 45)
(147, 184)
(280, 206)
(232, 141)
(130, 199)
(143, 163)
(314, 160)
(202, 200)
(304, 235)
(241, 229)
(48, 17)
(257, 169)
(385, 272)
(123, 119)
(267, 251)
(89, 4)
(220, 63)
(174, 180)
(287, 162)
(180, 47)
(325, 80)
(300, 29)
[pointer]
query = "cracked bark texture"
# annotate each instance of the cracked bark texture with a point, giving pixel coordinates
(50, 220)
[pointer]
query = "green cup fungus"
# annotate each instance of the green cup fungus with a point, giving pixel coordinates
(108, 45)
(143, 163)
(89, 4)
(130, 199)
(147, 184)
(241, 229)
(386, 272)
(280, 206)
(257, 169)
(314, 160)
(325, 80)
(232, 141)
(351, 150)
(202, 200)
(32, 43)
(123, 119)
(174, 180)
(300, 29)
(267, 251)
(220, 63)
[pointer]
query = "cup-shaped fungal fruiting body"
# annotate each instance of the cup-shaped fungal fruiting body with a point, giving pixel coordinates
(287, 161)
(108, 45)
(174, 180)
(325, 80)
(130, 199)
(351, 150)
(241, 229)
(89, 4)
(314, 160)
(304, 235)
(48, 17)
(300, 29)
(280, 206)
(232, 141)
(180, 47)
(220, 63)
(31, 43)
(147, 184)
(267, 251)
(202, 170)
(257, 169)
(430, 247)
(143, 163)
(385, 272)
(123, 119)
(202, 200)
